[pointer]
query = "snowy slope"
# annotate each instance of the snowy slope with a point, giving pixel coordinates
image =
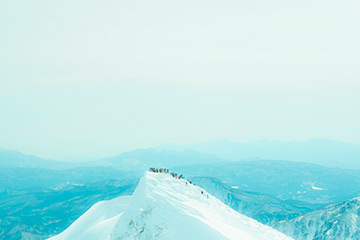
(166, 208)
(336, 221)
(98, 221)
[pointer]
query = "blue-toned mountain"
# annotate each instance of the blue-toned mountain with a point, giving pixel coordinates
(328, 153)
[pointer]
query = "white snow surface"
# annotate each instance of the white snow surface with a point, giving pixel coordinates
(163, 207)
(316, 188)
(98, 222)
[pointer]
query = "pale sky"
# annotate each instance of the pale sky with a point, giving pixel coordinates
(90, 79)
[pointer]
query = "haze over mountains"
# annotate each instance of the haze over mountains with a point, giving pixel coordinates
(9, 159)
(328, 153)
(141, 159)
(94, 93)
(35, 191)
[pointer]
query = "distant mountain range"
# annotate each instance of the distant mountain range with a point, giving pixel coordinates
(318, 151)
(136, 160)
(14, 159)
(142, 159)
(327, 153)
(284, 180)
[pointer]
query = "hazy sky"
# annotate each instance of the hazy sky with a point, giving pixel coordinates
(90, 79)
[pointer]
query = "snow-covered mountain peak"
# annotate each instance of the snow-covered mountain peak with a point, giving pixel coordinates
(163, 207)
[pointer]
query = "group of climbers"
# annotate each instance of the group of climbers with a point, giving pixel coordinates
(174, 175)
(165, 170)
(159, 170)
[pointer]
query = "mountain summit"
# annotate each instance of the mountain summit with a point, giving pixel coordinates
(163, 207)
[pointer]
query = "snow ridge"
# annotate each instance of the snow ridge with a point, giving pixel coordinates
(163, 207)
(336, 221)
